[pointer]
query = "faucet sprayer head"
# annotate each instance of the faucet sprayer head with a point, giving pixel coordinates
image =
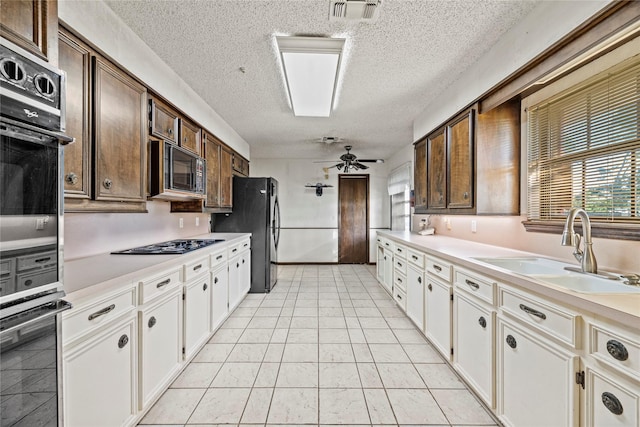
(568, 238)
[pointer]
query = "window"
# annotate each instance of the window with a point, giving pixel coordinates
(398, 185)
(584, 150)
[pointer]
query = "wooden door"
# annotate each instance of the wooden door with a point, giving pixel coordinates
(437, 172)
(212, 156)
(32, 25)
(120, 128)
(460, 156)
(164, 121)
(75, 60)
(420, 176)
(226, 178)
(190, 136)
(353, 226)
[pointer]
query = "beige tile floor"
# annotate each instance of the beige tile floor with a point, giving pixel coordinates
(327, 346)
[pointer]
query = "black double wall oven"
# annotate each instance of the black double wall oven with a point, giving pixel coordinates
(31, 291)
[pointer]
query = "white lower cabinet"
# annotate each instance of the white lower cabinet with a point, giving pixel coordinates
(437, 306)
(245, 273)
(473, 343)
(99, 374)
(611, 400)
(380, 262)
(535, 379)
(388, 270)
(160, 345)
(234, 282)
(219, 296)
(197, 314)
(415, 295)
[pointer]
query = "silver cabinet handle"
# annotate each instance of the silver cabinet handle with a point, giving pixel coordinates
(617, 350)
(163, 283)
(234, 250)
(39, 260)
(152, 321)
(430, 287)
(483, 322)
(511, 341)
(611, 402)
(197, 267)
(437, 268)
(415, 258)
(399, 296)
(102, 312)
(474, 285)
(533, 312)
(215, 280)
(170, 131)
(71, 178)
(107, 183)
(123, 341)
(419, 279)
(219, 257)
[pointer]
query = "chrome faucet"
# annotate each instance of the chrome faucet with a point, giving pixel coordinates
(571, 238)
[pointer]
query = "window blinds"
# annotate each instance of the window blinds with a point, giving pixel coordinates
(584, 149)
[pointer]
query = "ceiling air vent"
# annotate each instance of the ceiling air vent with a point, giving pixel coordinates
(354, 10)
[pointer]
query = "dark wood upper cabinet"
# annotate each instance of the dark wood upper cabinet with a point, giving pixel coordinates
(226, 178)
(119, 134)
(460, 163)
(420, 175)
(212, 156)
(437, 171)
(163, 121)
(75, 60)
(240, 165)
(32, 25)
(190, 136)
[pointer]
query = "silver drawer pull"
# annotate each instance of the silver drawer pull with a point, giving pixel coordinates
(39, 260)
(617, 350)
(124, 339)
(415, 258)
(399, 297)
(102, 312)
(533, 312)
(399, 280)
(419, 279)
(219, 257)
(437, 268)
(399, 264)
(163, 283)
(474, 285)
(245, 245)
(234, 250)
(611, 402)
(197, 267)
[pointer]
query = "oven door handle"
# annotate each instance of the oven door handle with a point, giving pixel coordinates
(34, 315)
(62, 138)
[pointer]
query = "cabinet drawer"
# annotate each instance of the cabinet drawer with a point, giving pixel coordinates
(195, 268)
(385, 243)
(399, 251)
(35, 278)
(400, 281)
(557, 321)
(236, 248)
(218, 258)
(439, 268)
(86, 317)
(401, 298)
(400, 265)
(40, 260)
(415, 258)
(611, 401)
(475, 284)
(154, 287)
(618, 349)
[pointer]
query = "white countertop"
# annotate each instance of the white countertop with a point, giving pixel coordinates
(623, 308)
(84, 277)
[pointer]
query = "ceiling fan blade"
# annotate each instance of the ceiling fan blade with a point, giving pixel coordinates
(359, 165)
(371, 160)
(324, 161)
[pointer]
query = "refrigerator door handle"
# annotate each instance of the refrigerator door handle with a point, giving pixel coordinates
(276, 228)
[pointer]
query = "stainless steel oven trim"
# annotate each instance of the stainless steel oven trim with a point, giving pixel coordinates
(60, 307)
(62, 138)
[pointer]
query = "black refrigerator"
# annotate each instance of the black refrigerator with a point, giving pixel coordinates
(256, 211)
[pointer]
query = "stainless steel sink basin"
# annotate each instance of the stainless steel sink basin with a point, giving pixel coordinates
(555, 273)
(589, 284)
(528, 266)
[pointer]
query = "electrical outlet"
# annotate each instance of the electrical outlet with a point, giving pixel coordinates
(447, 221)
(197, 221)
(474, 226)
(181, 223)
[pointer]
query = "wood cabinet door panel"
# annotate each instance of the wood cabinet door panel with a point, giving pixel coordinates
(119, 117)
(460, 167)
(212, 156)
(226, 178)
(420, 175)
(190, 136)
(32, 25)
(75, 60)
(164, 121)
(437, 172)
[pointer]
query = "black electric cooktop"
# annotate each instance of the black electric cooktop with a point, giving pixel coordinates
(172, 247)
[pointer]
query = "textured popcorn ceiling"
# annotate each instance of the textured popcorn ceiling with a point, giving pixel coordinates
(392, 69)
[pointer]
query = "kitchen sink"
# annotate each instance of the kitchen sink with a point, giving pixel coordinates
(589, 284)
(528, 265)
(555, 273)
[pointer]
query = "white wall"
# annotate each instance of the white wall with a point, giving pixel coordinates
(96, 22)
(310, 223)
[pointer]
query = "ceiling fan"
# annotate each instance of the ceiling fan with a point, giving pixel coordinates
(351, 162)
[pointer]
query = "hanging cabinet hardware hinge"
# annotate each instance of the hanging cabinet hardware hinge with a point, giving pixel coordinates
(580, 378)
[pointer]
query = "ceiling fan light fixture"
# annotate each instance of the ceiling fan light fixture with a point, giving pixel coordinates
(311, 67)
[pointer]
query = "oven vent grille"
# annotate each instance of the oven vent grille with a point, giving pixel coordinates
(354, 10)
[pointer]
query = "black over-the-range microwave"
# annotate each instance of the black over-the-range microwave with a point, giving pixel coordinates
(175, 173)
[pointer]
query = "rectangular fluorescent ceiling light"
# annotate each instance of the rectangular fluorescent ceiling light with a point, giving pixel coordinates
(311, 66)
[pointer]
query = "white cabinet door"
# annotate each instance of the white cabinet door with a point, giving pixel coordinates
(536, 379)
(235, 278)
(611, 401)
(197, 314)
(437, 306)
(245, 273)
(100, 377)
(473, 341)
(219, 296)
(160, 345)
(388, 270)
(415, 296)
(380, 264)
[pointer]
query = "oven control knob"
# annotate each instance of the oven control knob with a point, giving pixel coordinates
(13, 71)
(71, 178)
(107, 183)
(44, 85)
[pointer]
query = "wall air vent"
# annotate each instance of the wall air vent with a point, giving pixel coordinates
(354, 10)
